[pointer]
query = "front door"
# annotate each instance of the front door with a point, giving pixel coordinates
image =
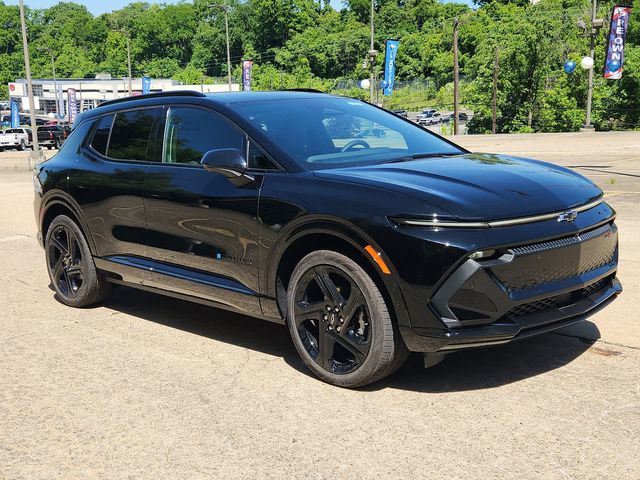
(201, 228)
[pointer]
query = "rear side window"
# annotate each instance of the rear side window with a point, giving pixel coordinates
(130, 134)
(192, 132)
(101, 137)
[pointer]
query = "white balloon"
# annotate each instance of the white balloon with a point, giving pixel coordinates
(51, 115)
(365, 83)
(586, 63)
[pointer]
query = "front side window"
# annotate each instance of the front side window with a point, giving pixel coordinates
(130, 134)
(191, 132)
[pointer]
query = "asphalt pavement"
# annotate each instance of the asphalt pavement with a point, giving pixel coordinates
(152, 387)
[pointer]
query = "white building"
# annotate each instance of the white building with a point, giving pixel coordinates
(50, 97)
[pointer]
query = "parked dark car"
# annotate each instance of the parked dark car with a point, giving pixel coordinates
(400, 113)
(366, 248)
(51, 136)
(463, 117)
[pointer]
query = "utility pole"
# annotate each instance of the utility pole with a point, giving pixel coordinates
(372, 59)
(587, 122)
(456, 79)
(35, 153)
(494, 103)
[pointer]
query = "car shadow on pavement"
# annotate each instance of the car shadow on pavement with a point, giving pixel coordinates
(489, 367)
(462, 371)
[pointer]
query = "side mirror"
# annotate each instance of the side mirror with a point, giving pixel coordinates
(227, 162)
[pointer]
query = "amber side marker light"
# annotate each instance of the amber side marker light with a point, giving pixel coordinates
(378, 259)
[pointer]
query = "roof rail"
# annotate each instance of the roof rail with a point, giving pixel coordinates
(175, 93)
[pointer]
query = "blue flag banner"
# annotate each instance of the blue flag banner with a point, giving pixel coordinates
(614, 64)
(15, 113)
(390, 66)
(247, 65)
(146, 85)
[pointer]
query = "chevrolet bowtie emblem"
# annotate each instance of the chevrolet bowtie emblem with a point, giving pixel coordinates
(568, 216)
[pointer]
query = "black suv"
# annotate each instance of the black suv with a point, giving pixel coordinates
(293, 207)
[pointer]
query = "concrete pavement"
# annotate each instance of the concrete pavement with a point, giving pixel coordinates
(151, 387)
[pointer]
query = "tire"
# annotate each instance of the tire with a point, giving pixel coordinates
(348, 342)
(49, 147)
(70, 265)
(21, 147)
(57, 145)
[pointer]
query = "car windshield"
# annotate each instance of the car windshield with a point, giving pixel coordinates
(327, 132)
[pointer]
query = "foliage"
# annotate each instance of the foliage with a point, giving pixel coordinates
(310, 44)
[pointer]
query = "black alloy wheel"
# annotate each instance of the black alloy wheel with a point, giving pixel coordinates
(332, 319)
(340, 323)
(70, 265)
(65, 261)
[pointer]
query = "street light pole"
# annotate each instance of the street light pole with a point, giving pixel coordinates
(35, 153)
(57, 95)
(372, 59)
(225, 9)
(127, 36)
(456, 77)
(587, 121)
(226, 27)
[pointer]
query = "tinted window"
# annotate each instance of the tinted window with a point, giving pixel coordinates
(325, 132)
(130, 134)
(101, 137)
(190, 133)
(258, 159)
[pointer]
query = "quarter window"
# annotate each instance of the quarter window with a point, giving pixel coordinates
(258, 159)
(130, 134)
(191, 132)
(101, 137)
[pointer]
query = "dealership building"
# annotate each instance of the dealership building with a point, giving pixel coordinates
(51, 96)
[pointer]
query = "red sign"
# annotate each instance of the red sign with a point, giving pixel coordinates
(12, 87)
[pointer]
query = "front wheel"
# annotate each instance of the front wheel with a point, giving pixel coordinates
(70, 265)
(340, 323)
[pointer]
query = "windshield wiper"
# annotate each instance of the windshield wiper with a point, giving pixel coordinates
(417, 156)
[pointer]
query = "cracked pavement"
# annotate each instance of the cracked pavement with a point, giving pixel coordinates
(152, 387)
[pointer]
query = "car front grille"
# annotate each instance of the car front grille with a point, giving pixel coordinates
(558, 300)
(555, 260)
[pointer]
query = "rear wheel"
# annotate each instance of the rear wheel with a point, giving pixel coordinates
(340, 323)
(22, 146)
(70, 265)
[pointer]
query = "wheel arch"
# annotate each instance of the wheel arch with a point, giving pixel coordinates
(327, 235)
(59, 204)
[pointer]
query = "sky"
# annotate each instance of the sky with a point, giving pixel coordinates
(95, 6)
(101, 6)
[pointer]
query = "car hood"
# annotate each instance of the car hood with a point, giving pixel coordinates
(477, 186)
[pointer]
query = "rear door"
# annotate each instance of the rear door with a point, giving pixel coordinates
(201, 228)
(107, 182)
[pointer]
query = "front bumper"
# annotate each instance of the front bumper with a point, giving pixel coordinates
(525, 291)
